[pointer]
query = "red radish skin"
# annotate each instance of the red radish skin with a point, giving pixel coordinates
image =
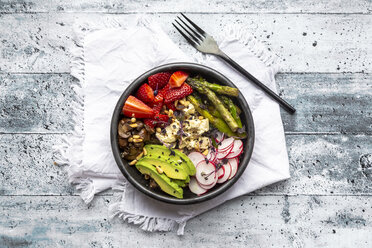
(212, 156)
(196, 157)
(223, 154)
(221, 172)
(236, 150)
(203, 169)
(234, 167)
(226, 175)
(195, 187)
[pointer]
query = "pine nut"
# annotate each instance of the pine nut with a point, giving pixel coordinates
(166, 112)
(139, 156)
(205, 153)
(176, 103)
(201, 117)
(160, 170)
(136, 136)
(144, 151)
(130, 139)
(133, 162)
(182, 102)
(133, 119)
(158, 129)
(170, 113)
(134, 125)
(137, 140)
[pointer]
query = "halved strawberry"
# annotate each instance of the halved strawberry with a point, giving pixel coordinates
(171, 106)
(134, 107)
(150, 122)
(159, 80)
(177, 79)
(177, 93)
(145, 93)
(160, 96)
(157, 107)
(159, 121)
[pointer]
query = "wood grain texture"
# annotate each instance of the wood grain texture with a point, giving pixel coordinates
(194, 6)
(304, 43)
(339, 103)
(319, 164)
(250, 221)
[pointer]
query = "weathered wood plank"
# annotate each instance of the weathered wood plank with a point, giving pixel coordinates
(324, 102)
(195, 6)
(258, 221)
(304, 43)
(320, 164)
(36, 103)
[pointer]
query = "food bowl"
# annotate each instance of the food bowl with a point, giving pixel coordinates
(137, 179)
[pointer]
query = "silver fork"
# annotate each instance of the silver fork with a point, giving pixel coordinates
(205, 43)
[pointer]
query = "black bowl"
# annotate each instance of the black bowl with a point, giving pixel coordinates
(135, 177)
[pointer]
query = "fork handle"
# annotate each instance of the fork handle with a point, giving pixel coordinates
(271, 93)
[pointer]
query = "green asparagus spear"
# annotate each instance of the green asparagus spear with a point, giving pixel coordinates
(232, 107)
(218, 104)
(214, 111)
(220, 89)
(217, 122)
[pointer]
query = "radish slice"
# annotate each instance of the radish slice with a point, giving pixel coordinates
(223, 154)
(196, 157)
(226, 176)
(210, 185)
(205, 173)
(211, 156)
(220, 136)
(234, 167)
(226, 144)
(195, 187)
(221, 172)
(236, 150)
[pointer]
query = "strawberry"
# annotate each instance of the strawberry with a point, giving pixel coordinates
(177, 79)
(159, 120)
(160, 96)
(177, 93)
(171, 106)
(159, 79)
(145, 93)
(157, 107)
(134, 107)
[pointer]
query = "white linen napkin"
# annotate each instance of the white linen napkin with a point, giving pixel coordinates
(106, 59)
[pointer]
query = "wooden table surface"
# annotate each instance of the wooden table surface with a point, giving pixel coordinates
(325, 50)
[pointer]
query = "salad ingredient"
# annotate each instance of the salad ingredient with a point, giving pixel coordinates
(227, 174)
(171, 106)
(209, 186)
(219, 137)
(205, 173)
(159, 80)
(233, 110)
(234, 166)
(171, 170)
(177, 79)
(236, 150)
(195, 187)
(196, 157)
(134, 107)
(171, 156)
(177, 93)
(131, 139)
(145, 94)
(220, 89)
(158, 120)
(169, 134)
(218, 104)
(164, 182)
(218, 123)
(221, 172)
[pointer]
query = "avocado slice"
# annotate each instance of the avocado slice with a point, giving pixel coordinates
(164, 182)
(171, 156)
(172, 171)
(182, 183)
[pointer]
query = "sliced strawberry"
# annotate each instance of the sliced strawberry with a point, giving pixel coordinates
(159, 79)
(177, 93)
(150, 123)
(145, 93)
(160, 96)
(157, 107)
(177, 79)
(161, 118)
(134, 107)
(171, 106)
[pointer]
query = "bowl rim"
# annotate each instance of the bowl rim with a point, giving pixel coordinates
(116, 116)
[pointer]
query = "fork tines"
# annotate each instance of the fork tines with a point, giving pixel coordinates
(195, 35)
